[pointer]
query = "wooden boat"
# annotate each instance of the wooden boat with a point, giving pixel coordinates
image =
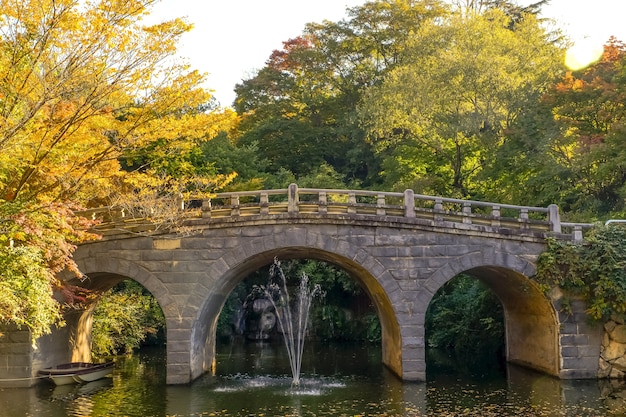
(77, 372)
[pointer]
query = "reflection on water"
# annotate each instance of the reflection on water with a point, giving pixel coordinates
(255, 379)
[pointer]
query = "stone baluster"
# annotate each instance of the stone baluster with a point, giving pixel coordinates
(495, 216)
(323, 205)
(206, 208)
(523, 218)
(467, 212)
(578, 233)
(351, 202)
(293, 199)
(234, 206)
(380, 205)
(409, 204)
(554, 218)
(438, 210)
(264, 203)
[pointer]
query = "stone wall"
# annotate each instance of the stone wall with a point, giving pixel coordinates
(580, 339)
(20, 359)
(613, 350)
(16, 352)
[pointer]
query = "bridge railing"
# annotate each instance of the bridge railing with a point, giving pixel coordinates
(438, 210)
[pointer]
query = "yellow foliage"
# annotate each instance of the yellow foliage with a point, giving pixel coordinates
(83, 82)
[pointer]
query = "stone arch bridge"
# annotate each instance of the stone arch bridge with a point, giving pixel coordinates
(401, 247)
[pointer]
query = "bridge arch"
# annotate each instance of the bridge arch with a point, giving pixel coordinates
(531, 321)
(382, 290)
(73, 342)
(103, 272)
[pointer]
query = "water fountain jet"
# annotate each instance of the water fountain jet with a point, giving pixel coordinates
(293, 318)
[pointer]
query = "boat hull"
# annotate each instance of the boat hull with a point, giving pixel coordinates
(77, 372)
(93, 376)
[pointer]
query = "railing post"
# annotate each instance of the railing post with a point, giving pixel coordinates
(234, 209)
(264, 203)
(438, 209)
(467, 212)
(409, 203)
(495, 216)
(323, 205)
(180, 201)
(554, 218)
(380, 205)
(351, 202)
(292, 198)
(523, 218)
(206, 208)
(578, 233)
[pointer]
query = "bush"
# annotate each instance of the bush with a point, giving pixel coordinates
(124, 318)
(26, 292)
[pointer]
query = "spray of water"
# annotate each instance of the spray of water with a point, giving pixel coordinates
(293, 318)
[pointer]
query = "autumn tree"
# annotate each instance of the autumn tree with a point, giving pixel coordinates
(511, 8)
(81, 85)
(441, 115)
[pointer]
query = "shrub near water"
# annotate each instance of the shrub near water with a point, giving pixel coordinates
(125, 317)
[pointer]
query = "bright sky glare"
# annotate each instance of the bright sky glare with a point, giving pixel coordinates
(231, 39)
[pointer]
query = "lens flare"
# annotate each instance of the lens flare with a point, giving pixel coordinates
(582, 54)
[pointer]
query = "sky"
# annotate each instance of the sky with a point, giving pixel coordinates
(233, 38)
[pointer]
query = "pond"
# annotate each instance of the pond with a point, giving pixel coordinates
(253, 379)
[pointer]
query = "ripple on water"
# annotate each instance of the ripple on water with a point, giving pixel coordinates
(281, 385)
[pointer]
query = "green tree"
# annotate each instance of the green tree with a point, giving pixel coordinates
(511, 8)
(441, 115)
(299, 109)
(36, 242)
(25, 292)
(568, 149)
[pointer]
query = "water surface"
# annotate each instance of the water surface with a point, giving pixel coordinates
(338, 380)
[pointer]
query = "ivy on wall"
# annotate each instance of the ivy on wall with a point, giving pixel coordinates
(594, 269)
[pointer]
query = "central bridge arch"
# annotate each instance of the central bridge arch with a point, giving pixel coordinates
(368, 272)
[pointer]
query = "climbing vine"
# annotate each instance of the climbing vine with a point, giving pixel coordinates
(594, 269)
